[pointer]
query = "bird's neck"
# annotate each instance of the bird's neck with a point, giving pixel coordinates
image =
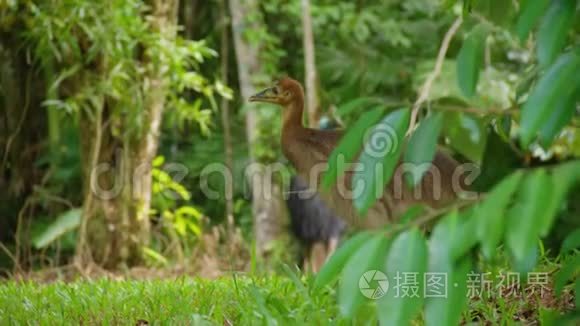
(292, 114)
(292, 129)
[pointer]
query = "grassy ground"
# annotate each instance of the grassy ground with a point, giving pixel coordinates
(227, 300)
(285, 297)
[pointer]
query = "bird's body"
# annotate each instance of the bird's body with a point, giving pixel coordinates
(309, 150)
(316, 226)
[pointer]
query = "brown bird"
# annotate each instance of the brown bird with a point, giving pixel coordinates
(309, 149)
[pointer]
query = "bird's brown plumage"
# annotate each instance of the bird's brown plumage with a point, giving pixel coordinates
(309, 149)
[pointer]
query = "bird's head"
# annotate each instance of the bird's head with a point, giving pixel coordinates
(283, 92)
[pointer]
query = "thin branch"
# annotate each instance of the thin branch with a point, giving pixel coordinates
(436, 213)
(433, 214)
(426, 88)
(81, 250)
(20, 123)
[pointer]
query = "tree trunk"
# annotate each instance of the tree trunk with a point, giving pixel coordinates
(228, 152)
(312, 104)
(266, 205)
(117, 170)
(23, 130)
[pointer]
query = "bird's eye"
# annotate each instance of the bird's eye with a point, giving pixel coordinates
(287, 93)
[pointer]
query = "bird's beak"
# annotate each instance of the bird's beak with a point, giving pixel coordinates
(268, 95)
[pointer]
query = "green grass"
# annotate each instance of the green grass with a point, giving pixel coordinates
(235, 299)
(239, 300)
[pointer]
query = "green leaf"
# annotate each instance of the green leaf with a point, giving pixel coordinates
(571, 242)
(499, 161)
(470, 60)
(561, 115)
(569, 269)
(369, 257)
(498, 12)
(446, 310)
(358, 104)
(441, 240)
(155, 256)
(553, 30)
(548, 316)
(490, 214)
(333, 267)
(530, 13)
(349, 147)
(525, 217)
(464, 240)
(185, 211)
(454, 236)
(379, 158)
(558, 83)
(412, 213)
(577, 290)
(466, 134)
(527, 263)
(64, 223)
(422, 147)
(408, 254)
(158, 161)
(562, 177)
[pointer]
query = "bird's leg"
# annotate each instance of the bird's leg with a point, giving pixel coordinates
(332, 245)
(306, 260)
(318, 256)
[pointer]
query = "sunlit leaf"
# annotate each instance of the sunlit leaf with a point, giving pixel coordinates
(155, 256)
(422, 147)
(189, 211)
(379, 158)
(64, 223)
(158, 161)
(223, 90)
